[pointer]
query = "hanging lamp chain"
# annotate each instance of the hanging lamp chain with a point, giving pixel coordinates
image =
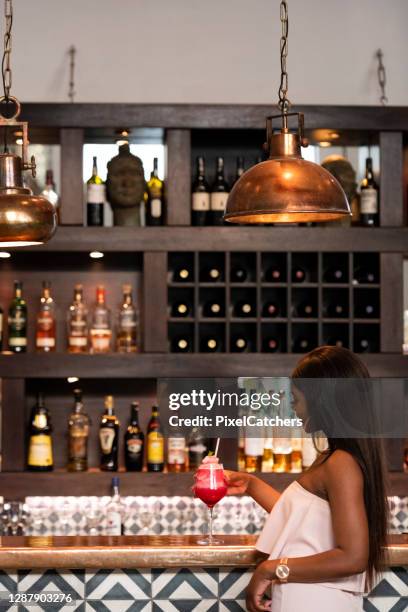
(71, 90)
(382, 78)
(6, 63)
(284, 103)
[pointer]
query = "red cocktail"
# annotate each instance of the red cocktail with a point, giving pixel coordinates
(210, 486)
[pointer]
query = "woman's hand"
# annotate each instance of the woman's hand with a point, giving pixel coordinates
(260, 582)
(238, 482)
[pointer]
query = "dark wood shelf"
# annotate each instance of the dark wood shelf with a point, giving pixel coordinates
(268, 239)
(17, 485)
(157, 365)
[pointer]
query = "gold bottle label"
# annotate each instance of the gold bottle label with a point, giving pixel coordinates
(77, 443)
(106, 437)
(40, 451)
(155, 447)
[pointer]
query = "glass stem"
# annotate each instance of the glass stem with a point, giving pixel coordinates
(210, 529)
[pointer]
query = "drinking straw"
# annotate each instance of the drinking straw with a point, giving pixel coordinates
(216, 447)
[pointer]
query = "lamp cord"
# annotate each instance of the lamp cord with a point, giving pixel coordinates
(284, 103)
(5, 64)
(382, 79)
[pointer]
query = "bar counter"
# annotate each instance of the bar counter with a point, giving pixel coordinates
(118, 552)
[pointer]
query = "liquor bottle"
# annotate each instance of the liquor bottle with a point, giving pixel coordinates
(369, 197)
(1, 328)
(238, 274)
(181, 344)
(40, 458)
(219, 194)
(210, 274)
(267, 457)
(282, 450)
(241, 452)
(78, 434)
(155, 443)
(270, 345)
(155, 197)
(273, 274)
(182, 274)
(298, 275)
(209, 344)
(17, 321)
(100, 329)
(240, 169)
(45, 329)
(49, 192)
(115, 512)
(176, 453)
(244, 308)
(365, 276)
(109, 437)
(95, 197)
(213, 309)
(270, 310)
(239, 344)
(181, 309)
(254, 450)
(197, 448)
(301, 345)
(296, 464)
(128, 324)
(336, 310)
(134, 441)
(200, 204)
(77, 321)
(335, 274)
(305, 309)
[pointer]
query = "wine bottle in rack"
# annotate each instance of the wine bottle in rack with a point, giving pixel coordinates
(335, 341)
(369, 197)
(181, 344)
(95, 197)
(181, 309)
(45, 331)
(211, 274)
(240, 169)
(200, 198)
(273, 274)
(366, 308)
(364, 345)
(298, 275)
(219, 194)
(365, 276)
(213, 309)
(239, 344)
(270, 344)
(244, 308)
(301, 344)
(335, 274)
(305, 309)
(155, 199)
(210, 344)
(238, 274)
(182, 274)
(336, 310)
(270, 310)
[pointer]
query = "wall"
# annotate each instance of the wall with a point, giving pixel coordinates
(208, 50)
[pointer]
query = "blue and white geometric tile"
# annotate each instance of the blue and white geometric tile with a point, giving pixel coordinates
(233, 583)
(62, 581)
(111, 585)
(178, 584)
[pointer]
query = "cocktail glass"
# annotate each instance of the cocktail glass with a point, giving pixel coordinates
(210, 486)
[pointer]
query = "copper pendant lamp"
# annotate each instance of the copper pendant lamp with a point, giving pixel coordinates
(25, 219)
(286, 188)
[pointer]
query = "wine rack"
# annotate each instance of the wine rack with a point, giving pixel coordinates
(265, 302)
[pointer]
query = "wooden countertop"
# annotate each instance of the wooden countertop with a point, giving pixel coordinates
(96, 552)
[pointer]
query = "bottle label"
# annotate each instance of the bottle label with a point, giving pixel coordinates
(18, 321)
(100, 340)
(106, 438)
(219, 201)
(45, 342)
(155, 447)
(113, 523)
(254, 447)
(45, 322)
(127, 320)
(40, 451)
(95, 194)
(369, 201)
(176, 451)
(156, 208)
(77, 443)
(77, 341)
(15, 341)
(134, 446)
(201, 202)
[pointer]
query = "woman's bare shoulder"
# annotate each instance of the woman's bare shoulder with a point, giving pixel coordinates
(342, 467)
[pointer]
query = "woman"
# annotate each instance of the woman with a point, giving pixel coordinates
(325, 534)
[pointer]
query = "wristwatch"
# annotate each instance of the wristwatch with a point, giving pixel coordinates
(282, 570)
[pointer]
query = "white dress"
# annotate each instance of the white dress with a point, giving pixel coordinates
(299, 525)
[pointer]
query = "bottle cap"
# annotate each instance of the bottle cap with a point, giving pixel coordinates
(109, 401)
(135, 404)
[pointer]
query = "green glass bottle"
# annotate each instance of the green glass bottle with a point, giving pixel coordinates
(17, 321)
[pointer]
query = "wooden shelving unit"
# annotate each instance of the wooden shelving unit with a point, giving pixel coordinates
(141, 256)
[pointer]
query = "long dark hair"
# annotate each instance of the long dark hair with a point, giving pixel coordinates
(335, 362)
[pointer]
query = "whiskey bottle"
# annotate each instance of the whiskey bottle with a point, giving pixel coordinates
(267, 458)
(95, 197)
(77, 321)
(155, 199)
(40, 458)
(78, 434)
(17, 321)
(155, 443)
(128, 324)
(101, 329)
(254, 450)
(176, 453)
(109, 437)
(200, 192)
(134, 441)
(219, 194)
(45, 330)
